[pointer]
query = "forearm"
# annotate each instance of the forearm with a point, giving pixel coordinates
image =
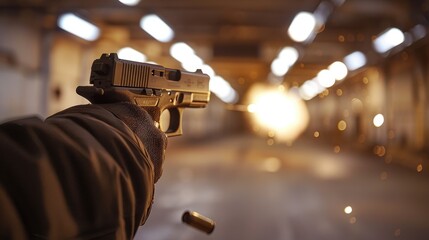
(81, 172)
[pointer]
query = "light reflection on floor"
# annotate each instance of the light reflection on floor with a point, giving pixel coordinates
(307, 191)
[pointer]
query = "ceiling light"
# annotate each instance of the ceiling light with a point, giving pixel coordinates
(378, 120)
(208, 70)
(180, 51)
(279, 67)
(131, 54)
(310, 89)
(79, 27)
(183, 53)
(302, 27)
(286, 58)
(223, 90)
(355, 60)
(289, 55)
(338, 70)
(325, 78)
(388, 40)
(157, 28)
(130, 2)
(192, 63)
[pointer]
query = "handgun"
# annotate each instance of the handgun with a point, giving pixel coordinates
(152, 87)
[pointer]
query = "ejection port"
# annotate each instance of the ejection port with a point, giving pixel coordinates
(173, 75)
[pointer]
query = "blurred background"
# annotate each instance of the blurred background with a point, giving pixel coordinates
(317, 126)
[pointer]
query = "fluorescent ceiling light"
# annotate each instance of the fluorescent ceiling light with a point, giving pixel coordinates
(338, 70)
(157, 28)
(388, 40)
(310, 89)
(355, 60)
(325, 78)
(130, 2)
(131, 54)
(289, 55)
(286, 58)
(279, 67)
(222, 89)
(208, 70)
(302, 27)
(79, 27)
(181, 51)
(192, 63)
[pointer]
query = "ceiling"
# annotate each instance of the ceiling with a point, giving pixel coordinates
(240, 38)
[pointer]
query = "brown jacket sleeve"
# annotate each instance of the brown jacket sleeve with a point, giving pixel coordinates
(81, 174)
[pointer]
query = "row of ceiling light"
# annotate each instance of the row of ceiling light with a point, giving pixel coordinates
(159, 30)
(304, 28)
(383, 44)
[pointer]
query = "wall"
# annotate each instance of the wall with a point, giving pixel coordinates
(21, 74)
(396, 87)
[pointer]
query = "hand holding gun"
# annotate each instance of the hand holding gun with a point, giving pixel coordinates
(152, 87)
(155, 89)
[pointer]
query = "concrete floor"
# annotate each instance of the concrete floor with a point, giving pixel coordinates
(256, 191)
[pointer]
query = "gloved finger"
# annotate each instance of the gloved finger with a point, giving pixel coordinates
(99, 95)
(142, 124)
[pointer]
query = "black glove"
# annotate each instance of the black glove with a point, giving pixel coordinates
(136, 118)
(141, 123)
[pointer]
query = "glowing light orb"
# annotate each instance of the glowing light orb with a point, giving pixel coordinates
(342, 125)
(273, 110)
(348, 210)
(378, 120)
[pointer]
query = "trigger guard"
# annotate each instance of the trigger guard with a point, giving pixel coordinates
(174, 124)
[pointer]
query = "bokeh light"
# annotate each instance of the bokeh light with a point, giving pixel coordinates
(130, 2)
(157, 28)
(342, 125)
(419, 168)
(338, 70)
(131, 54)
(75, 25)
(337, 149)
(378, 120)
(316, 134)
(355, 60)
(325, 78)
(302, 27)
(388, 40)
(274, 110)
(348, 210)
